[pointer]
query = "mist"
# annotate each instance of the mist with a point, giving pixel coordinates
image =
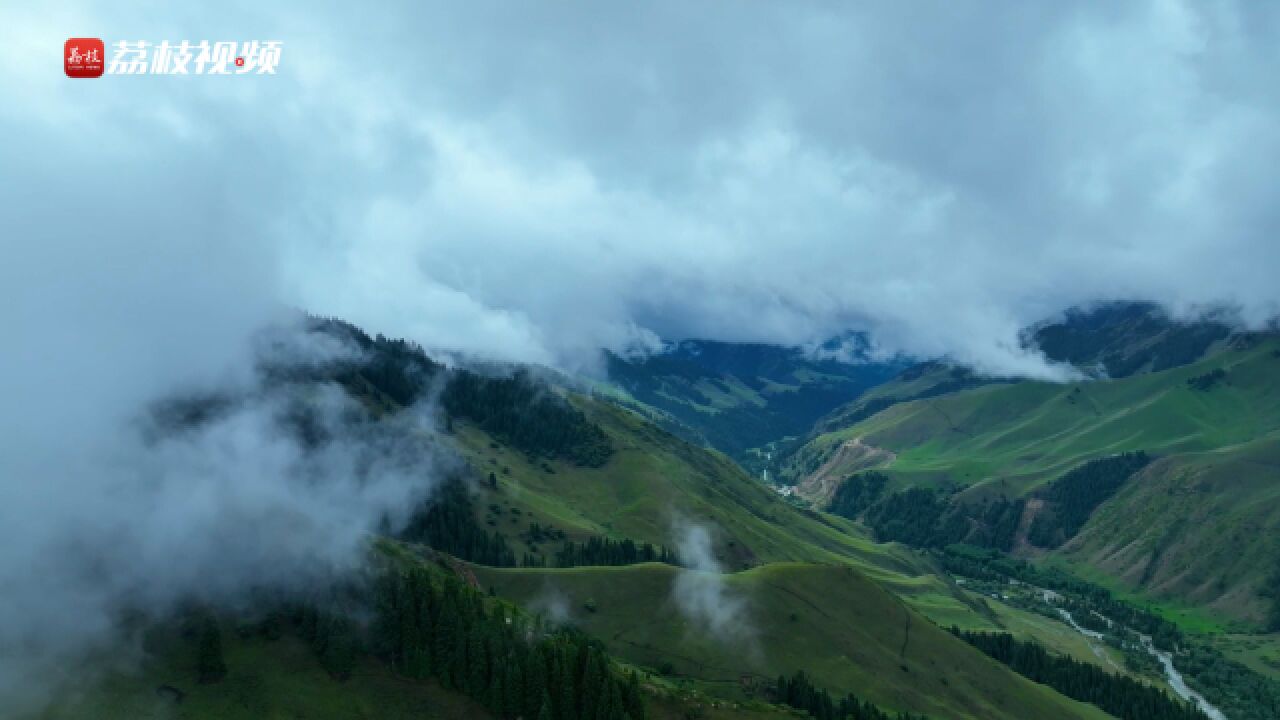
(553, 604)
(700, 592)
(150, 515)
(130, 278)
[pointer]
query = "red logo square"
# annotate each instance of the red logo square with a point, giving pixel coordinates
(84, 57)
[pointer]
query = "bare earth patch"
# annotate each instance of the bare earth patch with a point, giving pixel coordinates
(852, 456)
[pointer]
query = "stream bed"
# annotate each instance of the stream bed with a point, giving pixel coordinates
(1171, 674)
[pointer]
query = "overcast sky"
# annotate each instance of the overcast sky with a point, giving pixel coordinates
(535, 180)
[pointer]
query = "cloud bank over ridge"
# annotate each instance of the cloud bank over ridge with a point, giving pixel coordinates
(532, 183)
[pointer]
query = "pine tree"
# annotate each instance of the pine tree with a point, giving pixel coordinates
(338, 656)
(545, 712)
(632, 700)
(568, 699)
(534, 683)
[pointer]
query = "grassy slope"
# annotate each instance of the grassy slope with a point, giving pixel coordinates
(654, 478)
(655, 481)
(922, 381)
(1207, 508)
(1260, 652)
(739, 398)
(1202, 527)
(278, 679)
(266, 680)
(1027, 432)
(651, 480)
(844, 629)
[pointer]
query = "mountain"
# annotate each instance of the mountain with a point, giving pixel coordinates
(1146, 490)
(846, 630)
(1120, 339)
(1208, 502)
(543, 473)
(740, 398)
(1108, 340)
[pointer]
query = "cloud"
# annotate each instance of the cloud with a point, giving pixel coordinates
(532, 183)
(552, 603)
(700, 592)
(145, 515)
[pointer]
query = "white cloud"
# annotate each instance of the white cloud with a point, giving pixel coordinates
(700, 591)
(534, 182)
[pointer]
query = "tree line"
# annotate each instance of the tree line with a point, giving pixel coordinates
(528, 415)
(428, 624)
(1084, 598)
(1118, 695)
(448, 523)
(922, 517)
(927, 518)
(1238, 691)
(1072, 498)
(440, 628)
(800, 693)
(517, 408)
(603, 551)
(857, 494)
(1206, 382)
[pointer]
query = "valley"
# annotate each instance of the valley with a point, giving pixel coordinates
(640, 361)
(564, 502)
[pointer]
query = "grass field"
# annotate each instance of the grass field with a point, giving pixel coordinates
(1022, 434)
(1188, 617)
(653, 484)
(281, 678)
(653, 479)
(1261, 653)
(266, 680)
(848, 632)
(1191, 536)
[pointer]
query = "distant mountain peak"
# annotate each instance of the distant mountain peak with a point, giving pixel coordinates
(1122, 338)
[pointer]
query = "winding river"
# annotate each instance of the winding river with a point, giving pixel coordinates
(1172, 676)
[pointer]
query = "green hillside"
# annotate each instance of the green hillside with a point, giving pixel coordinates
(550, 467)
(278, 673)
(743, 398)
(1019, 435)
(1200, 527)
(843, 629)
(1120, 339)
(653, 478)
(1208, 503)
(1111, 340)
(654, 481)
(266, 680)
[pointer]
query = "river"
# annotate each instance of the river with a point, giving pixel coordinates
(1172, 676)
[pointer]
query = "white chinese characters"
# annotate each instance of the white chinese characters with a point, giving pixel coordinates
(74, 56)
(198, 58)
